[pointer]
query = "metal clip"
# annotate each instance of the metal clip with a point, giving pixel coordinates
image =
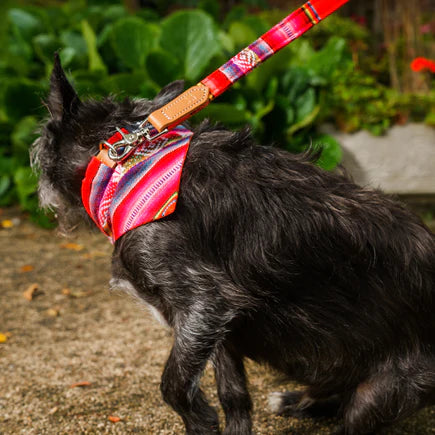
(130, 141)
(146, 131)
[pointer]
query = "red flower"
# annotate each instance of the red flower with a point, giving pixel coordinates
(361, 20)
(421, 64)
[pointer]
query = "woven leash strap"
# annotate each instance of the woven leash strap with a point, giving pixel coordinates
(199, 96)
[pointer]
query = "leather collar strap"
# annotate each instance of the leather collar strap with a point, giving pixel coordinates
(200, 95)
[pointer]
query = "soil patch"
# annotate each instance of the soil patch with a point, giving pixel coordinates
(75, 331)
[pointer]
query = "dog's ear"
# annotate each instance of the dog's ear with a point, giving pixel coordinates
(169, 92)
(62, 100)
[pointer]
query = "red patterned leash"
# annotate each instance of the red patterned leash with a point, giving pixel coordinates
(199, 96)
(289, 29)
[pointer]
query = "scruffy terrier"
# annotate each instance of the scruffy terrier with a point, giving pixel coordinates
(267, 257)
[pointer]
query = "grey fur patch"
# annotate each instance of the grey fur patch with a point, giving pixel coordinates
(127, 287)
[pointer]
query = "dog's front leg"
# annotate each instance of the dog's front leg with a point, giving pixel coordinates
(232, 390)
(196, 335)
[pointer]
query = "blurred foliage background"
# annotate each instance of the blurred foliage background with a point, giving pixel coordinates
(353, 69)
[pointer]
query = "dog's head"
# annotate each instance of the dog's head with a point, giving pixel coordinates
(71, 136)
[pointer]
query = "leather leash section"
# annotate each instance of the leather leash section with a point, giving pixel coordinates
(180, 108)
(103, 157)
(199, 96)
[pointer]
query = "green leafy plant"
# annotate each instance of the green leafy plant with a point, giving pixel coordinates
(107, 50)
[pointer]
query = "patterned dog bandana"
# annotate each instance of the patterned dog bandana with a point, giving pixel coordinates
(140, 189)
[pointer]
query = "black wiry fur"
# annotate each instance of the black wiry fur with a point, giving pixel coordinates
(271, 258)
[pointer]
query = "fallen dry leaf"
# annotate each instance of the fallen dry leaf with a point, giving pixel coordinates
(73, 294)
(53, 312)
(7, 223)
(26, 268)
(72, 246)
(31, 292)
(77, 294)
(80, 384)
(113, 419)
(3, 338)
(93, 254)
(53, 410)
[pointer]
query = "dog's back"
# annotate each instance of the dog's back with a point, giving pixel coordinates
(328, 282)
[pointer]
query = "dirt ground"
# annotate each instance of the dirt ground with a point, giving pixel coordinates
(73, 330)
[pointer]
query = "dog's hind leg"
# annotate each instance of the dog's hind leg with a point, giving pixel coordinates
(232, 391)
(385, 398)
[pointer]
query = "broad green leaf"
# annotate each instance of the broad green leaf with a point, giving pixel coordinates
(149, 15)
(132, 39)
(326, 61)
(222, 112)
(226, 42)
(114, 12)
(273, 67)
(262, 109)
(125, 83)
(75, 40)
(76, 55)
(24, 23)
(295, 82)
(257, 24)
(191, 37)
(44, 219)
(23, 135)
(303, 122)
(5, 132)
(21, 51)
(272, 88)
(332, 153)
(9, 197)
(95, 61)
(21, 98)
(242, 34)
(212, 7)
(57, 17)
(5, 183)
(149, 90)
(26, 183)
(290, 112)
(305, 104)
(301, 51)
(67, 55)
(88, 83)
(7, 165)
(163, 68)
(45, 45)
(235, 14)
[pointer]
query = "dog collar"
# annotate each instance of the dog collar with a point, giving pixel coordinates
(141, 188)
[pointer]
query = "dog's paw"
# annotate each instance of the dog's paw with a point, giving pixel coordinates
(275, 402)
(298, 404)
(284, 403)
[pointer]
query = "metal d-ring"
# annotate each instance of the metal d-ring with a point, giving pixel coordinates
(130, 140)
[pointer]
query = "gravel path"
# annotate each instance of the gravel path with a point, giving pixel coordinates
(74, 331)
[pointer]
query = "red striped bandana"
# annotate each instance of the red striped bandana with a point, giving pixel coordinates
(138, 190)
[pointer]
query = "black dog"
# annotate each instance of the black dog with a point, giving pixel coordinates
(266, 257)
